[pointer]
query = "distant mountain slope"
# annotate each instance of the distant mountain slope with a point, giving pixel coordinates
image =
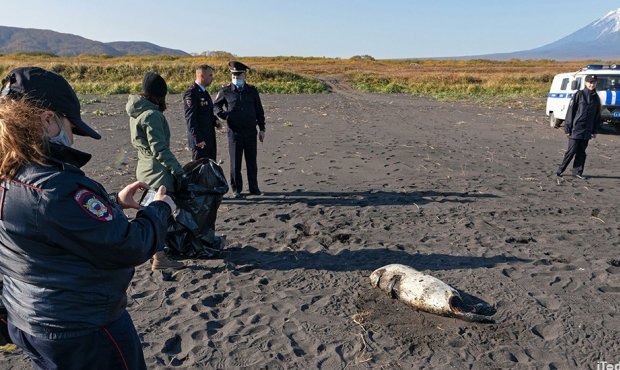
(143, 48)
(598, 40)
(31, 40)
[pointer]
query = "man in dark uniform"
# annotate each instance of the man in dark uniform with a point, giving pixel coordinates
(238, 103)
(201, 122)
(583, 119)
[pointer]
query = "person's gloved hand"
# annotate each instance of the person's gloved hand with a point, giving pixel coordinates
(181, 181)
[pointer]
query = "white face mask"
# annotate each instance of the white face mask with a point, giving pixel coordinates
(62, 138)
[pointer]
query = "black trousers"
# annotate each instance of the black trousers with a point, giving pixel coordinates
(209, 151)
(115, 346)
(242, 144)
(576, 149)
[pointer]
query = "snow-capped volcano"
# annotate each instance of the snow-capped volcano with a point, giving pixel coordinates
(598, 40)
(601, 31)
(609, 23)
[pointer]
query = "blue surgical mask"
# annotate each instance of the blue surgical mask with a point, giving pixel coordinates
(238, 82)
(62, 138)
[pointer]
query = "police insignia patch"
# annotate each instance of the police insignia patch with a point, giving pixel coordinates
(93, 205)
(188, 101)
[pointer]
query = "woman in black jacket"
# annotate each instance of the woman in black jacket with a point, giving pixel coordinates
(67, 250)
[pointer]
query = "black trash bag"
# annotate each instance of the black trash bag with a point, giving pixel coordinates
(192, 233)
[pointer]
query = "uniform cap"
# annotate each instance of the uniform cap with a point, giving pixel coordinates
(47, 90)
(591, 78)
(237, 67)
(154, 85)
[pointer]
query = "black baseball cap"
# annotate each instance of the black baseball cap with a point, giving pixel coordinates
(591, 78)
(48, 90)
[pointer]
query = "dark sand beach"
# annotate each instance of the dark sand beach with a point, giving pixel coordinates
(355, 181)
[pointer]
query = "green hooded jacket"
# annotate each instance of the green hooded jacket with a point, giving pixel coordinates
(150, 135)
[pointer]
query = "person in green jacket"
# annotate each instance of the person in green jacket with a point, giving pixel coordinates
(150, 135)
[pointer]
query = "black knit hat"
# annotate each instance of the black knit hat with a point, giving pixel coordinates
(48, 90)
(154, 85)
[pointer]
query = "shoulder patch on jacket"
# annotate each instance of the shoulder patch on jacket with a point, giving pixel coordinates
(188, 101)
(93, 205)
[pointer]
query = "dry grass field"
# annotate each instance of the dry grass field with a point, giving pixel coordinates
(514, 82)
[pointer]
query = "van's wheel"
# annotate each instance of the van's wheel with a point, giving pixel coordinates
(554, 122)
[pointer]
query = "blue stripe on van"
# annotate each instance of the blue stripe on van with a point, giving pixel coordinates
(612, 98)
(559, 95)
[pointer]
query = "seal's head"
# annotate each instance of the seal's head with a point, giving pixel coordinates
(375, 277)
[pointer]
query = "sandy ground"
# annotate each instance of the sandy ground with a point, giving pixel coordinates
(356, 181)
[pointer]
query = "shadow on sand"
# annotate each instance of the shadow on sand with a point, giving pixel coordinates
(249, 258)
(603, 177)
(609, 129)
(363, 198)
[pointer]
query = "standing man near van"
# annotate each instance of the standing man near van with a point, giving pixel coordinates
(583, 120)
(238, 103)
(201, 122)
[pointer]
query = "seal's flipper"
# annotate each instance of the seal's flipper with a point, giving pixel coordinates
(475, 313)
(484, 309)
(468, 316)
(392, 288)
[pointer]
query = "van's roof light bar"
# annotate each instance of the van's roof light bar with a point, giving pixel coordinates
(600, 66)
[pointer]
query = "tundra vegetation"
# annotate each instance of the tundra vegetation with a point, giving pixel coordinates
(513, 81)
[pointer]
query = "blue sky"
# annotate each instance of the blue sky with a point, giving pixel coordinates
(323, 28)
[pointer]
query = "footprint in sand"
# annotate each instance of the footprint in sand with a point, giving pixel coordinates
(172, 346)
(562, 283)
(213, 327)
(290, 329)
(214, 300)
(504, 356)
(305, 307)
(612, 270)
(564, 268)
(548, 332)
(609, 289)
(547, 301)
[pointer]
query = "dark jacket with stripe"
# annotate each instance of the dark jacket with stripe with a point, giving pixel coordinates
(67, 250)
(583, 117)
(240, 108)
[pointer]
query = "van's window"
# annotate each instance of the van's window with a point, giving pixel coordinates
(564, 84)
(608, 83)
(578, 83)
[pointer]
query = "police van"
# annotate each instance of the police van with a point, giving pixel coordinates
(565, 85)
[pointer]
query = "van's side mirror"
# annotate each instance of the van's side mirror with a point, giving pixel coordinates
(574, 85)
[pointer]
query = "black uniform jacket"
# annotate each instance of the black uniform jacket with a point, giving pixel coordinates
(240, 108)
(201, 121)
(67, 251)
(583, 117)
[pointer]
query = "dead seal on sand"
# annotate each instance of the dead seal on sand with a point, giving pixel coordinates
(427, 293)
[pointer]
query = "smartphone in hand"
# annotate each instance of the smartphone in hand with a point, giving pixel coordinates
(147, 197)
